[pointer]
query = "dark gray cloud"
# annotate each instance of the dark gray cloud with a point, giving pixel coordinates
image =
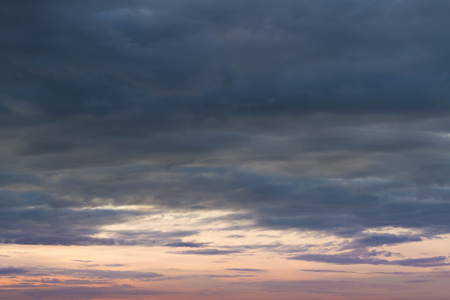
(305, 114)
(306, 56)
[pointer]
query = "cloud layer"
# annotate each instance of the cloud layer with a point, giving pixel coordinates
(305, 115)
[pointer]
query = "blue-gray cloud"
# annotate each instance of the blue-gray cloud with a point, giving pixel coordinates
(376, 240)
(12, 271)
(209, 252)
(82, 273)
(351, 259)
(306, 114)
(184, 244)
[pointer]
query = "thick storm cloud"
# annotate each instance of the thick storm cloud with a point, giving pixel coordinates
(317, 115)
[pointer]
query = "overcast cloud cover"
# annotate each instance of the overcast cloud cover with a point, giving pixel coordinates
(325, 116)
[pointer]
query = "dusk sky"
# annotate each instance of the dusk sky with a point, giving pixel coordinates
(225, 149)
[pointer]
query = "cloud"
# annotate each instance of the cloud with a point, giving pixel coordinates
(345, 288)
(82, 273)
(245, 270)
(377, 240)
(64, 241)
(423, 262)
(111, 274)
(235, 236)
(69, 281)
(209, 252)
(85, 292)
(194, 126)
(42, 225)
(325, 271)
(393, 273)
(12, 271)
(184, 244)
(229, 276)
(114, 265)
(351, 259)
(300, 115)
(340, 259)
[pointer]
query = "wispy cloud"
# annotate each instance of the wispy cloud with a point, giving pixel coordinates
(209, 252)
(246, 270)
(350, 259)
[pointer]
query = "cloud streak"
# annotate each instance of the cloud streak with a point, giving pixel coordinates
(349, 259)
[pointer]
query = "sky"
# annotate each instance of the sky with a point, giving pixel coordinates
(208, 149)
